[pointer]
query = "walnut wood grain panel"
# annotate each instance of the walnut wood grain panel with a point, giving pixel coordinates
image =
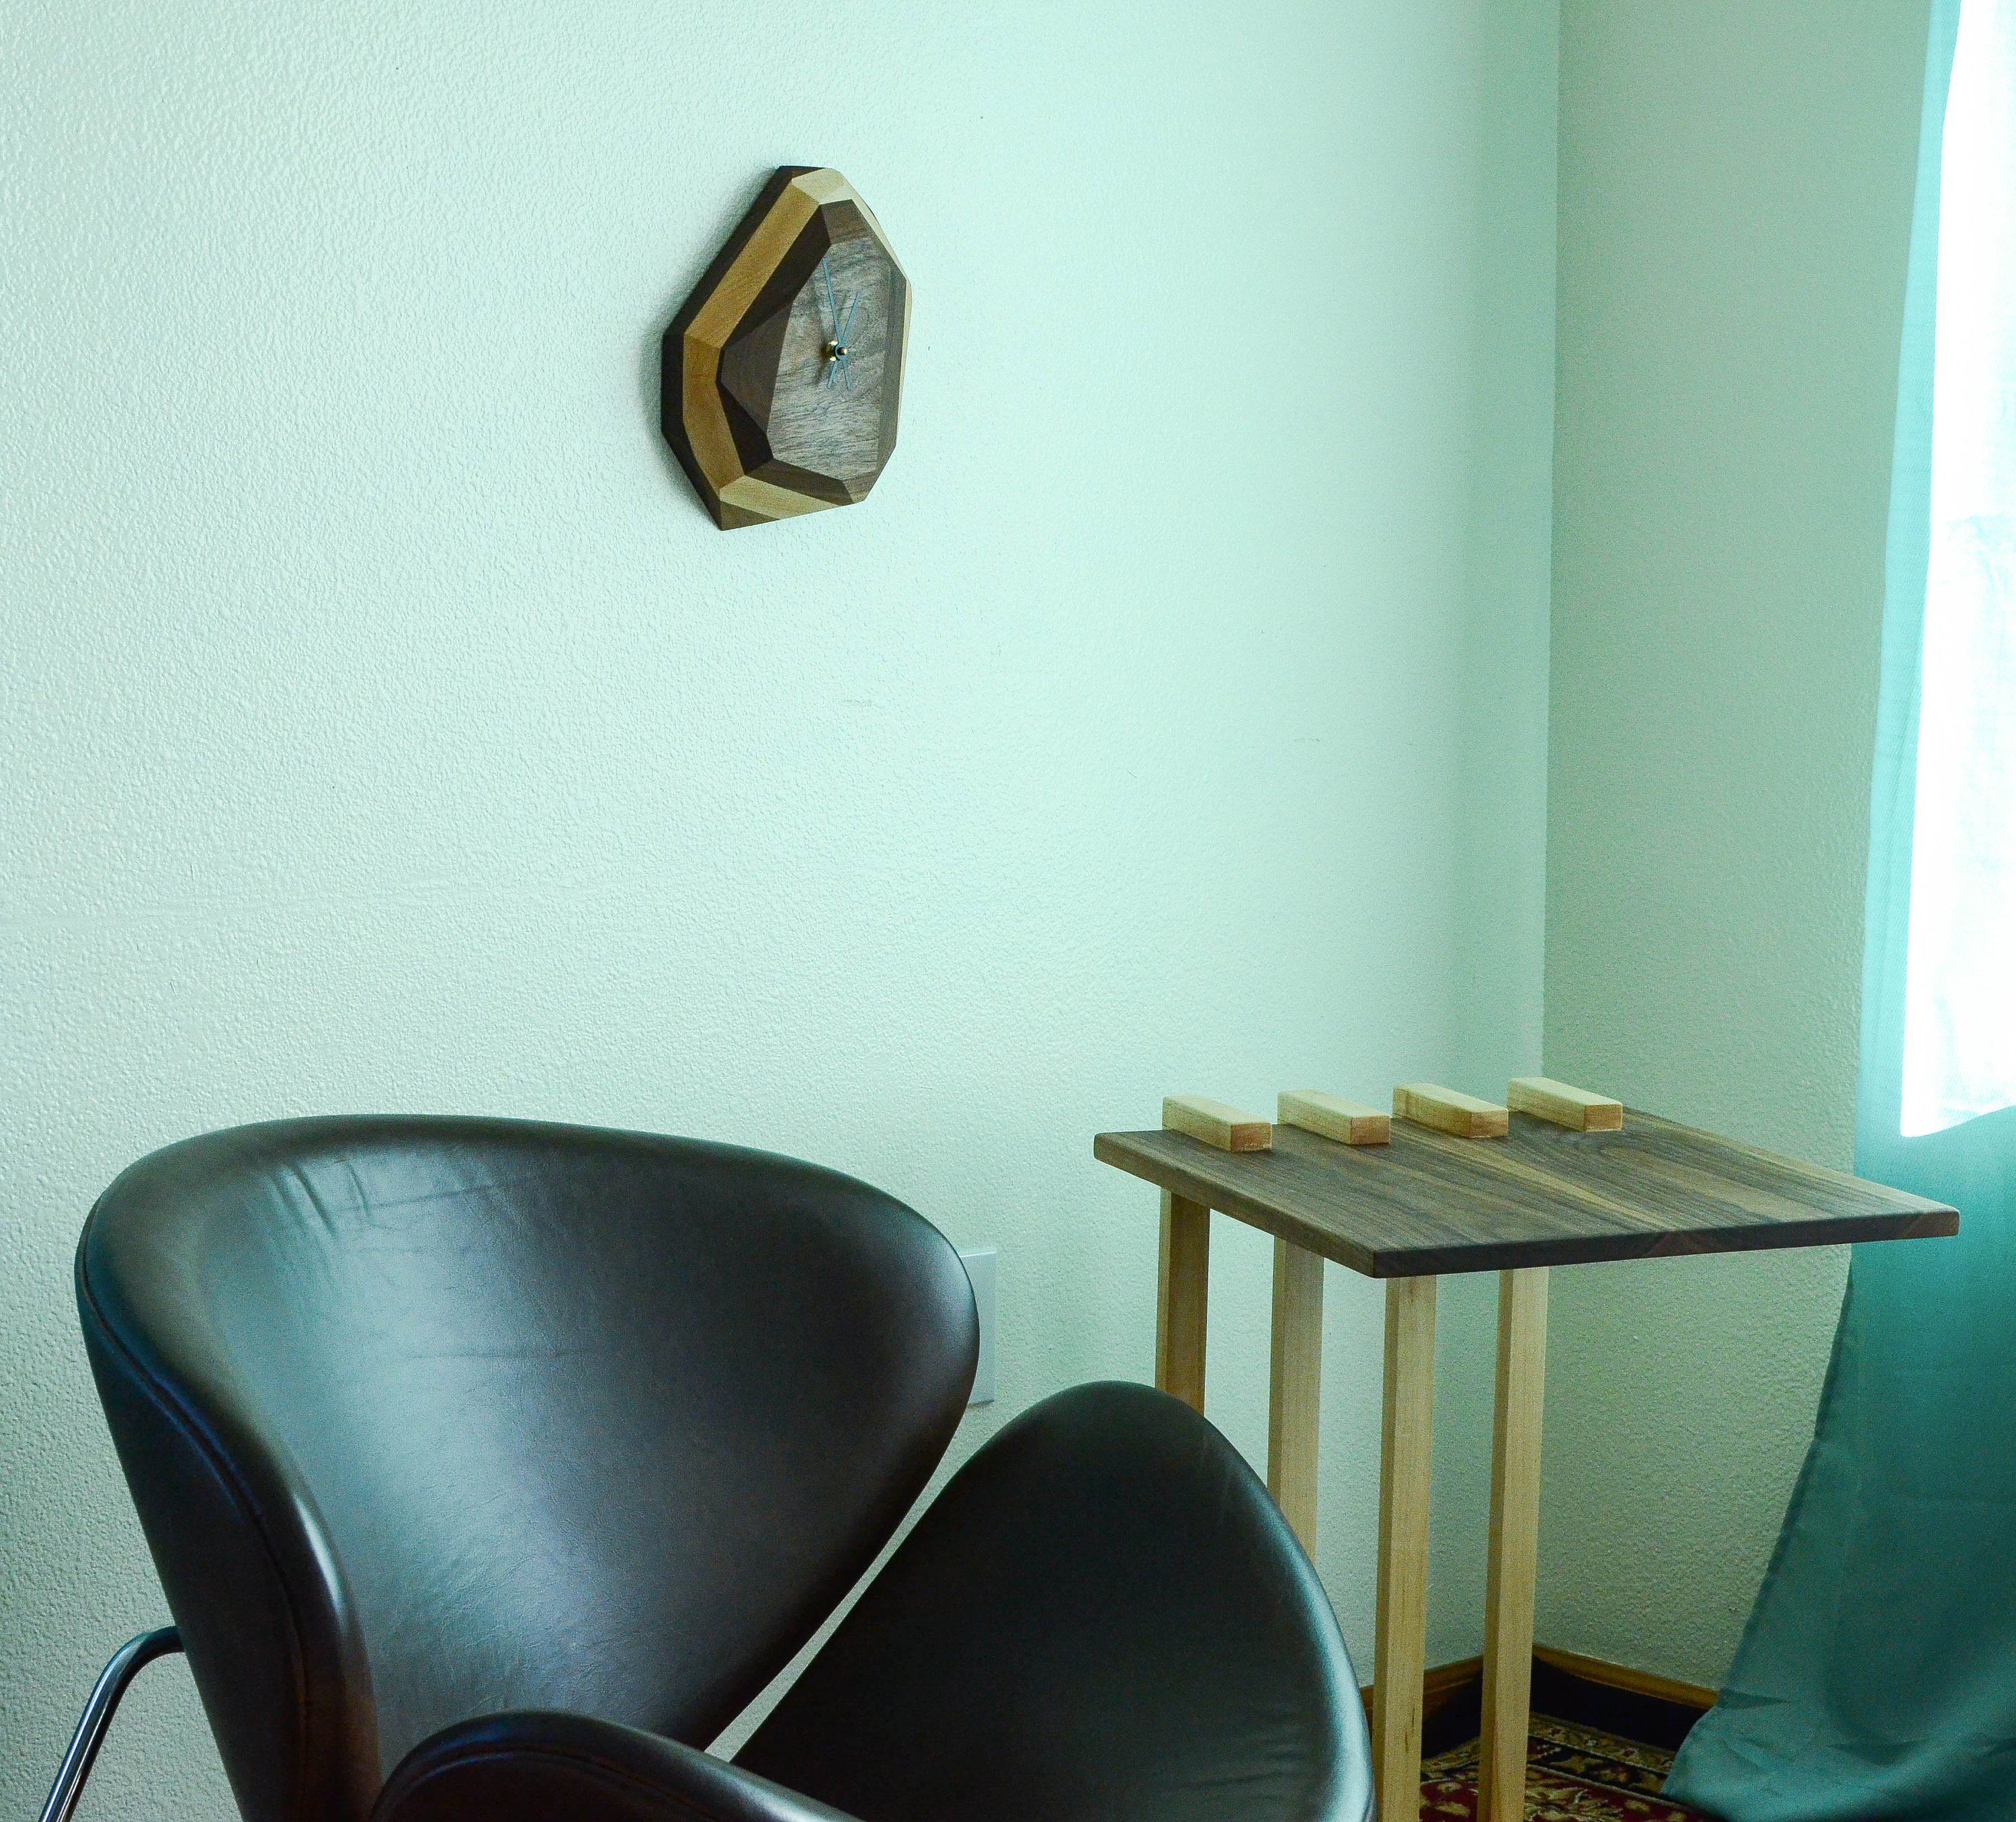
(830, 429)
(1542, 1195)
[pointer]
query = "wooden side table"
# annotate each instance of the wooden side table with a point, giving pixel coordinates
(1409, 1211)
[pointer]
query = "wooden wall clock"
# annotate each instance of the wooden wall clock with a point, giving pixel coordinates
(784, 369)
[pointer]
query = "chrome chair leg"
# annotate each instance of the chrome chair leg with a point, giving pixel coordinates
(127, 1663)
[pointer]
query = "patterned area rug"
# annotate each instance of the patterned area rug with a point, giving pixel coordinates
(1574, 1774)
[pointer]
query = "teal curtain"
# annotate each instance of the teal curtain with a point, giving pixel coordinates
(1877, 1678)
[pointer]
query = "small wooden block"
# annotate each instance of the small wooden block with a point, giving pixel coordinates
(1350, 1123)
(1464, 1115)
(1217, 1124)
(1575, 1108)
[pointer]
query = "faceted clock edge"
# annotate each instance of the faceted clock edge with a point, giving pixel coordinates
(747, 500)
(672, 384)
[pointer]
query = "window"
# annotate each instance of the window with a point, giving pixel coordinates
(1960, 990)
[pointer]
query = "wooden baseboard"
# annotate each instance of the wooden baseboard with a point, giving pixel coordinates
(1621, 1676)
(1637, 1704)
(1440, 1687)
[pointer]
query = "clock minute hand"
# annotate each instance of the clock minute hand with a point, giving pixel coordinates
(837, 349)
(840, 342)
(830, 353)
(826, 272)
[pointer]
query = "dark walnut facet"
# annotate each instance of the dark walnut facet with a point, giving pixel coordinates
(784, 370)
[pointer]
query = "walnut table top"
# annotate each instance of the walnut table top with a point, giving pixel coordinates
(1427, 1203)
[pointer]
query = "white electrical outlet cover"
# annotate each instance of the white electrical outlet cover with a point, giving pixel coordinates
(979, 1262)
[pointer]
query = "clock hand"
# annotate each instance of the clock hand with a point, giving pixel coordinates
(836, 350)
(830, 353)
(843, 364)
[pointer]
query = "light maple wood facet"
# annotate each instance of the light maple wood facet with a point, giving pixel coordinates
(1182, 1298)
(1294, 1397)
(1216, 1124)
(1515, 1530)
(1350, 1123)
(1400, 1649)
(1462, 1116)
(1575, 1108)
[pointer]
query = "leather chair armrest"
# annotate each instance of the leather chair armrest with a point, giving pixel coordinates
(537, 1767)
(1102, 1618)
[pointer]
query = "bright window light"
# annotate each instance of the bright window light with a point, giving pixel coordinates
(1960, 985)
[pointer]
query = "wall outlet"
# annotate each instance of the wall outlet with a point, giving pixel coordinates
(979, 1262)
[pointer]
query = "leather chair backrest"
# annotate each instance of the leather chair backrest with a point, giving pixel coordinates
(426, 1418)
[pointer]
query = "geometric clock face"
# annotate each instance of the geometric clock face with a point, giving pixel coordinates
(784, 370)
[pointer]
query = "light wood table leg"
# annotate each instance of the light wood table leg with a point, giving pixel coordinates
(1295, 1387)
(1515, 1530)
(1401, 1646)
(1182, 1293)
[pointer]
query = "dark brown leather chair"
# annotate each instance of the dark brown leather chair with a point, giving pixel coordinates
(491, 1469)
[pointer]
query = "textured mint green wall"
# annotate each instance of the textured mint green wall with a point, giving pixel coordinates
(386, 726)
(1736, 180)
